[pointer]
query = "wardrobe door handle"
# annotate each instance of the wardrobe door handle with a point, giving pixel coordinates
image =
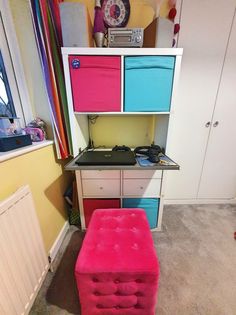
(207, 125)
(216, 123)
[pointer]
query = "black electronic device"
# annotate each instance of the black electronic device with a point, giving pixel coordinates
(121, 148)
(125, 37)
(106, 158)
(152, 152)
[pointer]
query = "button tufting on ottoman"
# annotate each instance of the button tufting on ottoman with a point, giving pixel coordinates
(117, 268)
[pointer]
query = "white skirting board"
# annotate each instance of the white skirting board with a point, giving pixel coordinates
(198, 201)
(57, 244)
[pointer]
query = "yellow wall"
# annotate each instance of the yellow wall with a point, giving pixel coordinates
(141, 14)
(47, 181)
(127, 130)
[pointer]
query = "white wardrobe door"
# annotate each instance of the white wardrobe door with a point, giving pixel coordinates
(219, 171)
(203, 36)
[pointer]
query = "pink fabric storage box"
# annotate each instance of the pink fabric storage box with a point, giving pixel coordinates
(117, 268)
(92, 204)
(95, 82)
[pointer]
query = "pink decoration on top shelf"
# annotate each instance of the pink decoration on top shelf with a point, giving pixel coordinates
(176, 28)
(98, 28)
(172, 13)
(98, 20)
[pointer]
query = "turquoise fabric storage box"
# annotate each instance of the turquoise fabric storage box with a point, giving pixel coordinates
(150, 205)
(148, 83)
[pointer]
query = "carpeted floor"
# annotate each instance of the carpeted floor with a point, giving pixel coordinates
(197, 254)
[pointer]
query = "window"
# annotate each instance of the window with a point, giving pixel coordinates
(6, 102)
(14, 98)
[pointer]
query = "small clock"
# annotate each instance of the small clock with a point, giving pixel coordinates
(116, 12)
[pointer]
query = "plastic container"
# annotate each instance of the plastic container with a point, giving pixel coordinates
(148, 83)
(96, 83)
(10, 127)
(150, 205)
(92, 204)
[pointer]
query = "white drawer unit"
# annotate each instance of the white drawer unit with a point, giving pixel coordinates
(142, 187)
(121, 188)
(101, 187)
(142, 174)
(96, 174)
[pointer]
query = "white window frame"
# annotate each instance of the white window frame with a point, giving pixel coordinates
(13, 64)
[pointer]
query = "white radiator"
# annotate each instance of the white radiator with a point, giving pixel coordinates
(23, 260)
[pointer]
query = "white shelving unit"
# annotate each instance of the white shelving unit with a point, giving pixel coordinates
(101, 181)
(78, 120)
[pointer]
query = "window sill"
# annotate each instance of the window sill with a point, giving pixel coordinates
(4, 156)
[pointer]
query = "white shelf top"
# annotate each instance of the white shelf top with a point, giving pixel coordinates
(4, 156)
(121, 113)
(122, 51)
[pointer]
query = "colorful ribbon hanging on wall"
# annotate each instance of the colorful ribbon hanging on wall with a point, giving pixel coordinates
(47, 28)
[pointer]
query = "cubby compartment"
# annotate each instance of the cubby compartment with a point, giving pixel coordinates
(92, 204)
(148, 83)
(130, 130)
(150, 205)
(95, 83)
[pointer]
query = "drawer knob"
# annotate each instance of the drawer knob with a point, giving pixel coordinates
(141, 187)
(101, 188)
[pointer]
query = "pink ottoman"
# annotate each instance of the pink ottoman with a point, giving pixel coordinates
(117, 268)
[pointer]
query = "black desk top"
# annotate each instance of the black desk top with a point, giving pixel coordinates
(72, 166)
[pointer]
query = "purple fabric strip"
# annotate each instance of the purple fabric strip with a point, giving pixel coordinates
(98, 21)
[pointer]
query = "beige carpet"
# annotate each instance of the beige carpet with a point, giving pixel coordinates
(197, 254)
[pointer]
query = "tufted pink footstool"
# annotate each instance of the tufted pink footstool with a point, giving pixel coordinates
(117, 268)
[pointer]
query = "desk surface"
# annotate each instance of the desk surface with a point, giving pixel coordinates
(72, 166)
